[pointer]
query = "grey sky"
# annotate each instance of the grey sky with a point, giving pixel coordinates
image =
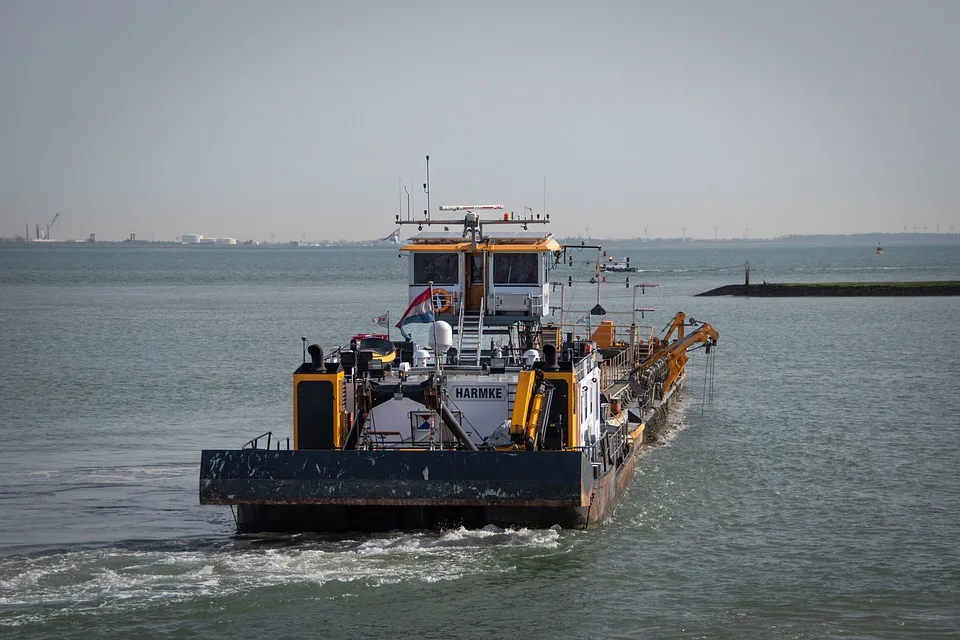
(252, 119)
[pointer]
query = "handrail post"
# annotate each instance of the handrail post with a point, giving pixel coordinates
(480, 330)
(460, 321)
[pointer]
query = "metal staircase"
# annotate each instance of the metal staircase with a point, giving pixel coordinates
(471, 336)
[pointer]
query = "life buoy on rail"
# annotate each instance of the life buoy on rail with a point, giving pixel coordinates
(441, 300)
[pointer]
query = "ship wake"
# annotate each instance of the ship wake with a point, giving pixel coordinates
(141, 576)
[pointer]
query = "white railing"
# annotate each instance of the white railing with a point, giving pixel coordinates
(463, 306)
(479, 333)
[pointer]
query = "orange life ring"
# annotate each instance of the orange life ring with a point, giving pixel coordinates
(441, 300)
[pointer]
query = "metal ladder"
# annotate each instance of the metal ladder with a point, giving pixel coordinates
(471, 337)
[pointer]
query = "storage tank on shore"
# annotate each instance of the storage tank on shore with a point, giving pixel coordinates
(191, 238)
(226, 241)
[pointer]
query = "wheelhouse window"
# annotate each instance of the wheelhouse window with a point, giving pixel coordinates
(439, 268)
(515, 268)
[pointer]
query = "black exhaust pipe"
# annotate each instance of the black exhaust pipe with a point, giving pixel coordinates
(316, 357)
(550, 358)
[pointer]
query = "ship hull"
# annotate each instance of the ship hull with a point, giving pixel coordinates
(332, 490)
(381, 490)
(368, 516)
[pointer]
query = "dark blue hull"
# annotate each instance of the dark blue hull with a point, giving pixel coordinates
(332, 490)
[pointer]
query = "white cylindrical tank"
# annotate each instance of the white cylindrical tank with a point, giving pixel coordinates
(441, 337)
(191, 238)
(226, 241)
(530, 356)
(420, 357)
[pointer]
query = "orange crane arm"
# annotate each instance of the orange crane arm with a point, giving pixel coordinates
(676, 325)
(675, 353)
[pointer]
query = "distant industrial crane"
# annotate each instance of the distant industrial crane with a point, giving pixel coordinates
(46, 232)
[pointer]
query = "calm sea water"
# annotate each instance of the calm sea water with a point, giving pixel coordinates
(817, 496)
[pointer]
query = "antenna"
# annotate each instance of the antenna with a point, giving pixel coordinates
(426, 188)
(400, 196)
(544, 197)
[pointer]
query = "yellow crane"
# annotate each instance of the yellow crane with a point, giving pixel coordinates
(673, 355)
(530, 409)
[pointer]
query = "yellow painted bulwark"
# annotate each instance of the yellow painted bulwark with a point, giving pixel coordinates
(338, 418)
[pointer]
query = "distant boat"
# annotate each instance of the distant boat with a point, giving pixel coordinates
(879, 249)
(620, 267)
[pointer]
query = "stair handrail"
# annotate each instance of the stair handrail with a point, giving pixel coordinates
(463, 306)
(480, 331)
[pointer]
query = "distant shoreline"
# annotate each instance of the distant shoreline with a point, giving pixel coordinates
(164, 244)
(838, 289)
(856, 239)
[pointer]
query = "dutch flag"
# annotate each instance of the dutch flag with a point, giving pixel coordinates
(420, 310)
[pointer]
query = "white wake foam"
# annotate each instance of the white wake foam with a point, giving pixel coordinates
(99, 581)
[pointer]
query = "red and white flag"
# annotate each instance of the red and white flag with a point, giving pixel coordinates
(420, 310)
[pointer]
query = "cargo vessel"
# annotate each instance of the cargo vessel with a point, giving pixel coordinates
(510, 415)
